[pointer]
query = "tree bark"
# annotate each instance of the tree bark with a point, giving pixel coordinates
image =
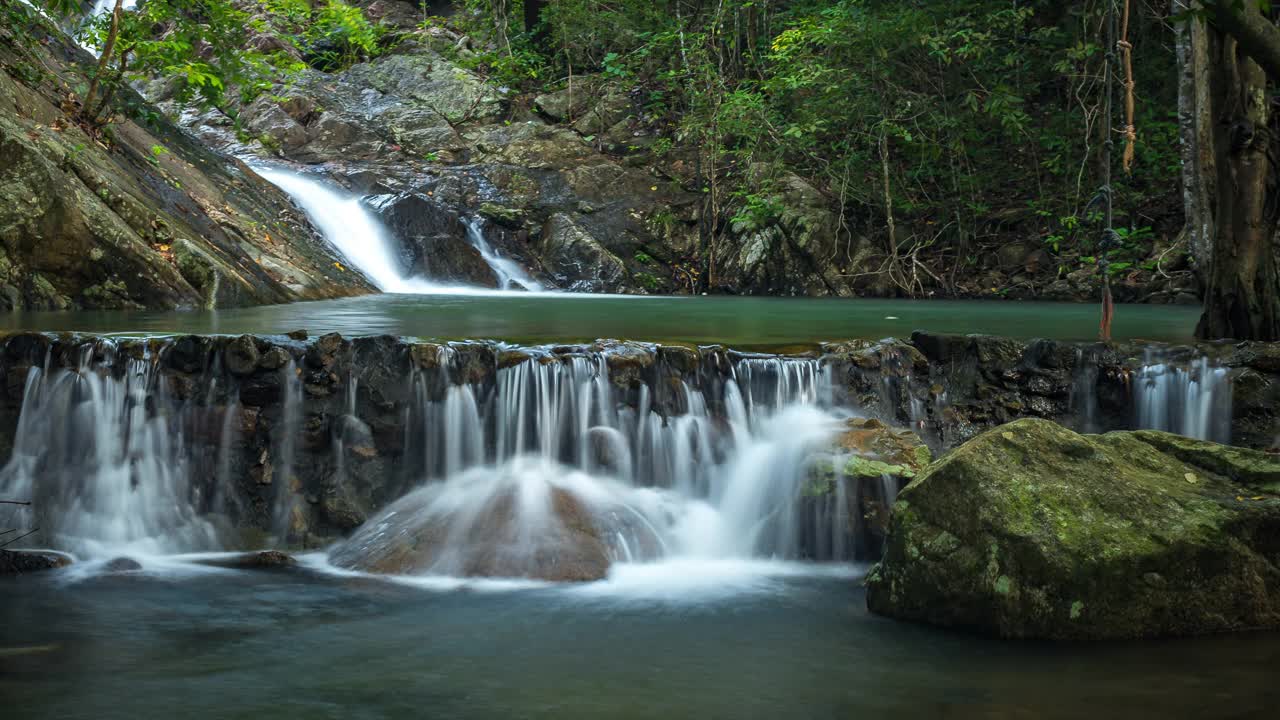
(1195, 121)
(1243, 297)
(104, 62)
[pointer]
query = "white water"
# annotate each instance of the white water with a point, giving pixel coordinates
(357, 234)
(1192, 399)
(352, 230)
(719, 484)
(508, 272)
(100, 460)
(693, 473)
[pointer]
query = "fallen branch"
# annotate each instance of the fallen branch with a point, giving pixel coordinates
(33, 531)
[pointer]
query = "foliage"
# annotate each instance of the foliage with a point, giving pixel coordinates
(960, 110)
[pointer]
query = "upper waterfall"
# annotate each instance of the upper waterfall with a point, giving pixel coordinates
(369, 247)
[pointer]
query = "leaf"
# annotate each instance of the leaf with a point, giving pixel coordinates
(1191, 477)
(1006, 435)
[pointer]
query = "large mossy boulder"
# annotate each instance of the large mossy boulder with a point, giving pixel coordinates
(1033, 531)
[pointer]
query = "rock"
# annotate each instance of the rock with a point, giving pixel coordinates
(865, 467)
(18, 562)
(1033, 531)
(788, 254)
(122, 564)
(435, 238)
(479, 525)
(264, 118)
(144, 218)
(576, 260)
(241, 355)
(570, 102)
(262, 560)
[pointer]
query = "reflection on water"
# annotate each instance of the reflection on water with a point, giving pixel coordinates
(555, 317)
(227, 644)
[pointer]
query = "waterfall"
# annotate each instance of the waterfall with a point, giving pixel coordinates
(508, 272)
(1192, 399)
(358, 235)
(105, 462)
(723, 478)
(351, 228)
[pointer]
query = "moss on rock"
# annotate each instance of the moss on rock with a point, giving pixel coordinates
(1033, 531)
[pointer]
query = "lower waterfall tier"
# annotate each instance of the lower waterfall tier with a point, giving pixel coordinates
(480, 458)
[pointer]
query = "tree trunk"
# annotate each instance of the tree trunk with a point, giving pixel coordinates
(1195, 121)
(533, 25)
(1243, 297)
(104, 61)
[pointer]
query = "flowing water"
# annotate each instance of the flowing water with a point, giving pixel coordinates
(361, 238)
(698, 488)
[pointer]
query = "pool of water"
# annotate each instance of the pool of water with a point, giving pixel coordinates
(553, 317)
(702, 641)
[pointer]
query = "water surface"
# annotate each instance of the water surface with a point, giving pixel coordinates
(721, 641)
(744, 322)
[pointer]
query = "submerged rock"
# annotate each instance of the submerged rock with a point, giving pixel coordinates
(498, 522)
(122, 564)
(18, 562)
(264, 559)
(1033, 531)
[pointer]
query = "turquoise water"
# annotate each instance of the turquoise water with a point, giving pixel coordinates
(549, 318)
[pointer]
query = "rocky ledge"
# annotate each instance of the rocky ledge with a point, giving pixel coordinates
(1033, 531)
(137, 214)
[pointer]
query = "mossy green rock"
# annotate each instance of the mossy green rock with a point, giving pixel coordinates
(1033, 531)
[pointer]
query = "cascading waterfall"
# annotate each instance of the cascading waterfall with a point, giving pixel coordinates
(362, 239)
(508, 272)
(710, 484)
(720, 462)
(1192, 399)
(104, 461)
(350, 228)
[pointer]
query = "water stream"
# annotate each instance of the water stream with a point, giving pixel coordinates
(357, 234)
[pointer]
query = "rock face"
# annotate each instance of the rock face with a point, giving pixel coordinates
(141, 217)
(18, 562)
(506, 529)
(858, 478)
(1034, 531)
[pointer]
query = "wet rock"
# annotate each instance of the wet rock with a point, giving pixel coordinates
(122, 564)
(262, 560)
(274, 358)
(19, 562)
(866, 466)
(576, 260)
(323, 352)
(493, 537)
(1033, 531)
(241, 355)
(84, 226)
(435, 240)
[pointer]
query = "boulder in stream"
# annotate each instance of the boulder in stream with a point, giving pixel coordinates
(527, 519)
(1033, 531)
(19, 562)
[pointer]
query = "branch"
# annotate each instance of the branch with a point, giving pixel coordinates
(13, 502)
(1257, 36)
(32, 532)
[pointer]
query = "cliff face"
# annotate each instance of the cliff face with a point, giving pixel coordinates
(138, 215)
